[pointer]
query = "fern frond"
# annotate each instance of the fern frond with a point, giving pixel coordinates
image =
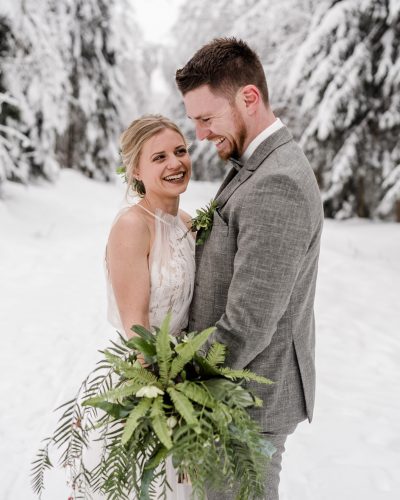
(164, 352)
(188, 351)
(229, 392)
(132, 421)
(113, 395)
(120, 365)
(206, 370)
(216, 354)
(196, 393)
(159, 422)
(183, 406)
(140, 375)
(245, 375)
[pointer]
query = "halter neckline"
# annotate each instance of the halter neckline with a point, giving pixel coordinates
(159, 212)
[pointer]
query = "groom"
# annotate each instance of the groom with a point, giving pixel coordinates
(256, 272)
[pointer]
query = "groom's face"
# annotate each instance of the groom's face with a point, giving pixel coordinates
(218, 120)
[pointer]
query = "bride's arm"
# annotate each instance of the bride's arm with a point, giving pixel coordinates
(127, 256)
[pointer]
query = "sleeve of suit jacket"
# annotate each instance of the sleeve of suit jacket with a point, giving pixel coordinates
(274, 233)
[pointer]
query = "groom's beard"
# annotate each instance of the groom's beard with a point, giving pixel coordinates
(237, 147)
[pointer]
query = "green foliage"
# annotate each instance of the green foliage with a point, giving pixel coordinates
(244, 375)
(181, 404)
(197, 393)
(202, 223)
(132, 421)
(188, 351)
(164, 351)
(39, 466)
(159, 422)
(216, 354)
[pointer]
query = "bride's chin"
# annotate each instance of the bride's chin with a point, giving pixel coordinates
(181, 187)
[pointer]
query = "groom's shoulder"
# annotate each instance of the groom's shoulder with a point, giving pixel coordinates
(287, 161)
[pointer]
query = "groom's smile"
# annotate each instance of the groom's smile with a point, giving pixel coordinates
(217, 120)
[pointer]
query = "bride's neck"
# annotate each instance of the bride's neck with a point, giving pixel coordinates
(167, 205)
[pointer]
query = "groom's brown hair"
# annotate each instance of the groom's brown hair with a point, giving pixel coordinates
(225, 64)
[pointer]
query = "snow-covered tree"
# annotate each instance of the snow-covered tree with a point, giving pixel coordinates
(12, 142)
(64, 73)
(37, 75)
(89, 140)
(345, 88)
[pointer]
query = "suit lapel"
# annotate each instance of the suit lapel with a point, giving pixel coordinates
(233, 181)
(231, 174)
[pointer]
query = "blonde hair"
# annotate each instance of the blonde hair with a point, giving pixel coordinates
(133, 140)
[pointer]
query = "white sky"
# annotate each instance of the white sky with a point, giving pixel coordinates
(156, 17)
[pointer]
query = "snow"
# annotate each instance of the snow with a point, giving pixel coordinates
(52, 320)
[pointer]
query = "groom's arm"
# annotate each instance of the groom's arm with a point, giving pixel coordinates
(273, 238)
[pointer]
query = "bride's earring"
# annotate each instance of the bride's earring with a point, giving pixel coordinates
(138, 186)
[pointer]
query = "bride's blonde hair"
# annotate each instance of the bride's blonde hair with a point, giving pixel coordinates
(133, 140)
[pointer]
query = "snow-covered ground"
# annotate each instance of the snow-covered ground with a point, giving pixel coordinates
(52, 321)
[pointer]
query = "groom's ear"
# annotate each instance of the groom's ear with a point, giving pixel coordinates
(251, 97)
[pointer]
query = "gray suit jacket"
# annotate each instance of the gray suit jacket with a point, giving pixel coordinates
(256, 275)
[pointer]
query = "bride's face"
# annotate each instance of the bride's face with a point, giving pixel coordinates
(165, 166)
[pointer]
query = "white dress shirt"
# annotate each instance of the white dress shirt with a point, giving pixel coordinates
(260, 138)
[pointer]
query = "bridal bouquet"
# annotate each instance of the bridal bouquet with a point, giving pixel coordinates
(177, 404)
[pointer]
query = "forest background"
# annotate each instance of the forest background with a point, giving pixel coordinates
(74, 73)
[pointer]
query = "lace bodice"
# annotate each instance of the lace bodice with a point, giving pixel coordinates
(172, 271)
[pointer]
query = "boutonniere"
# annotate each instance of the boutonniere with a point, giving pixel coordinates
(202, 223)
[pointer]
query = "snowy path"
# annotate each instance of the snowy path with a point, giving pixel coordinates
(52, 322)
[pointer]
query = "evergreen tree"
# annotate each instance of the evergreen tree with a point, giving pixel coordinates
(35, 76)
(345, 86)
(65, 93)
(9, 113)
(89, 141)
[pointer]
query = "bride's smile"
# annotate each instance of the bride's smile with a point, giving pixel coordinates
(164, 166)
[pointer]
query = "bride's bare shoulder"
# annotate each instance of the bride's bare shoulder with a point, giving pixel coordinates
(129, 225)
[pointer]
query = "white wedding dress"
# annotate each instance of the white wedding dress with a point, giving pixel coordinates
(172, 272)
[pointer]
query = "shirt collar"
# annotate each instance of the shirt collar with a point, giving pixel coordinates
(276, 125)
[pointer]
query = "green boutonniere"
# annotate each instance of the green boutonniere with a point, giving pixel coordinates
(202, 223)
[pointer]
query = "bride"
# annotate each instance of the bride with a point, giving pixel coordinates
(150, 254)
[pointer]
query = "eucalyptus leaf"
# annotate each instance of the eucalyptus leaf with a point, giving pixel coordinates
(143, 333)
(157, 457)
(147, 478)
(145, 347)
